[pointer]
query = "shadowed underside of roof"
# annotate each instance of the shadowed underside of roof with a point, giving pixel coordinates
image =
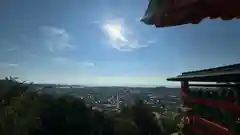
(165, 13)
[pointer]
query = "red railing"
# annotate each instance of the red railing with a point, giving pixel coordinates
(234, 108)
(211, 128)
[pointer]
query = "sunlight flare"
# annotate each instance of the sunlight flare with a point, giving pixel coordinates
(120, 37)
(115, 32)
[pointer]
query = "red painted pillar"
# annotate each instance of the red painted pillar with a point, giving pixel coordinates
(184, 89)
(184, 94)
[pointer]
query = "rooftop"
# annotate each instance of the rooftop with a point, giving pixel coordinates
(230, 73)
(166, 13)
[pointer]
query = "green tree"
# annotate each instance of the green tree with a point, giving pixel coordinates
(22, 115)
(145, 119)
(126, 127)
(25, 112)
(66, 115)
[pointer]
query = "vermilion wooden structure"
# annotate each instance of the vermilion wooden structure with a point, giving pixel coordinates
(166, 13)
(226, 76)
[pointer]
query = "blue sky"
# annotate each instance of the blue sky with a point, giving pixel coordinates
(102, 42)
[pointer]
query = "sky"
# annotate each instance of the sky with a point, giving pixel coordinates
(102, 42)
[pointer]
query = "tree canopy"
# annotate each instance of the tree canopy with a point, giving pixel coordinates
(26, 112)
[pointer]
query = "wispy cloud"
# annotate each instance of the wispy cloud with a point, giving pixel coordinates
(8, 46)
(12, 65)
(87, 63)
(11, 49)
(138, 19)
(120, 37)
(96, 22)
(6, 64)
(151, 41)
(56, 39)
(62, 60)
(23, 37)
(26, 39)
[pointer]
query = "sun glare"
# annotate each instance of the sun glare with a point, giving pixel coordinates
(115, 32)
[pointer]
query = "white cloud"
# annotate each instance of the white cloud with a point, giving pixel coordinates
(6, 64)
(114, 31)
(56, 39)
(128, 46)
(62, 60)
(120, 37)
(151, 41)
(12, 65)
